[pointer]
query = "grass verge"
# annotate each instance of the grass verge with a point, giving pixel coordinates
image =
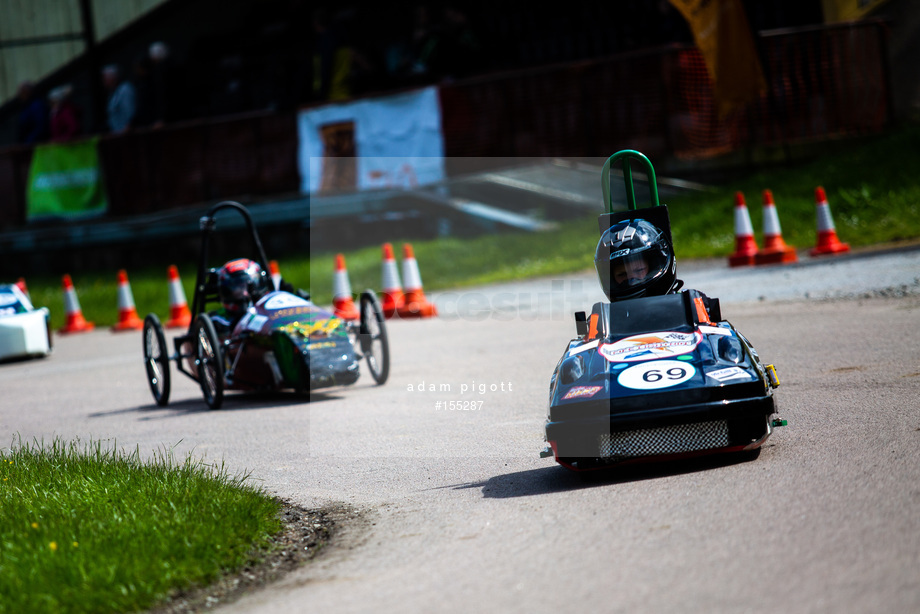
(90, 529)
(870, 182)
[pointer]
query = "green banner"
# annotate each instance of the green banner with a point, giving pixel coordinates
(65, 180)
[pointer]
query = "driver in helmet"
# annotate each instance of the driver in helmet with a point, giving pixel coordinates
(634, 259)
(240, 283)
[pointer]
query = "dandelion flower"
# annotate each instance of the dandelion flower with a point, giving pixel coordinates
(53, 545)
(34, 525)
(75, 544)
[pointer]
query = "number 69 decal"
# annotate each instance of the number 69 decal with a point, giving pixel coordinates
(656, 374)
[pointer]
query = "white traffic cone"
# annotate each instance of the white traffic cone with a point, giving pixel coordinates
(179, 314)
(21, 284)
(127, 313)
(75, 322)
(342, 300)
(828, 243)
(392, 299)
(275, 274)
(415, 304)
(745, 246)
(775, 250)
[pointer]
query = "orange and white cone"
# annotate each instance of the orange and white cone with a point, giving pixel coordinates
(775, 250)
(21, 284)
(415, 305)
(179, 314)
(127, 313)
(342, 300)
(392, 299)
(75, 322)
(745, 246)
(828, 243)
(275, 274)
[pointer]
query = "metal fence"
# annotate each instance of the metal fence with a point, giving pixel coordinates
(823, 82)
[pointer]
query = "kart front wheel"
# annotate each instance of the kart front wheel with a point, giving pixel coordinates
(156, 359)
(372, 337)
(210, 361)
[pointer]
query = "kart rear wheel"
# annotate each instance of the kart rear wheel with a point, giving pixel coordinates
(210, 360)
(372, 337)
(156, 359)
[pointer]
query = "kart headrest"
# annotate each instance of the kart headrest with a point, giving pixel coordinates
(210, 282)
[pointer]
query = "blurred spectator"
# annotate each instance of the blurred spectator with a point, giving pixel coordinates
(143, 93)
(426, 39)
(461, 50)
(32, 124)
(164, 85)
(444, 44)
(325, 46)
(122, 105)
(338, 65)
(64, 116)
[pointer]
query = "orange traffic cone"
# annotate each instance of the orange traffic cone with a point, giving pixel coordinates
(179, 314)
(745, 246)
(127, 314)
(775, 250)
(21, 284)
(415, 305)
(275, 273)
(393, 298)
(342, 300)
(828, 243)
(75, 322)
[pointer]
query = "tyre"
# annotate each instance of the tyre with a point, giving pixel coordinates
(209, 360)
(156, 359)
(372, 337)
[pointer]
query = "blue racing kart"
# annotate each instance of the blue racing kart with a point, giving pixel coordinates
(656, 377)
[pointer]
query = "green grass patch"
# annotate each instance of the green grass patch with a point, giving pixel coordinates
(871, 185)
(90, 529)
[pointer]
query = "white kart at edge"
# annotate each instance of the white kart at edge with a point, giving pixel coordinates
(24, 330)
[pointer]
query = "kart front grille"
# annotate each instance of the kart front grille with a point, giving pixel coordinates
(665, 440)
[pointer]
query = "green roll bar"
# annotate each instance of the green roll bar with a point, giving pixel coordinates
(627, 178)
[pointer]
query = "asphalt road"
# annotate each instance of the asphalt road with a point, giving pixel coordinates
(455, 511)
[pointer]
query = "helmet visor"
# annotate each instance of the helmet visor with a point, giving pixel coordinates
(629, 270)
(636, 269)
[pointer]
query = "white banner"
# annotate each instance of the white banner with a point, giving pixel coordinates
(392, 142)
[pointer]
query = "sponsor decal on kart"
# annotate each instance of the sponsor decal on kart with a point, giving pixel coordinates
(582, 392)
(656, 375)
(7, 298)
(317, 329)
(283, 300)
(256, 322)
(279, 314)
(582, 348)
(650, 346)
(729, 373)
(715, 330)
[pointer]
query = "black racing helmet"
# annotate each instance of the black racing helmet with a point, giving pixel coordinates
(634, 258)
(240, 283)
